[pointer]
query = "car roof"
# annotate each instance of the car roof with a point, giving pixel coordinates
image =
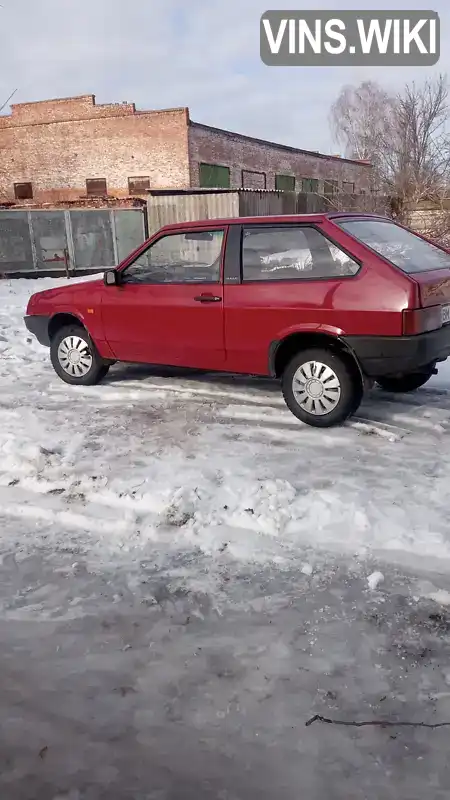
(209, 223)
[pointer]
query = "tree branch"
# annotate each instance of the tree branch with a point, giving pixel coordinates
(7, 100)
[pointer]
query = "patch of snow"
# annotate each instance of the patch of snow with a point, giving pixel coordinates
(374, 430)
(439, 596)
(374, 580)
(160, 466)
(442, 379)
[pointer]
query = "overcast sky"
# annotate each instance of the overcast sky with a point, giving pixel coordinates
(198, 53)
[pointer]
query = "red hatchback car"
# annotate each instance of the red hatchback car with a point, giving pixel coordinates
(328, 303)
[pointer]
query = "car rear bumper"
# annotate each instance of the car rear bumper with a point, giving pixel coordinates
(391, 355)
(38, 326)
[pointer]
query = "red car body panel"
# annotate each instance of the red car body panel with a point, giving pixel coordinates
(156, 326)
(257, 314)
(164, 324)
(80, 300)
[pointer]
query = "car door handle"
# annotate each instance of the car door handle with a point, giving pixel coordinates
(207, 298)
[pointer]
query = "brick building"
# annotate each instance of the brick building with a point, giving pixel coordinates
(64, 149)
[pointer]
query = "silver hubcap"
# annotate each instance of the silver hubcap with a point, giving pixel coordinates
(74, 356)
(316, 388)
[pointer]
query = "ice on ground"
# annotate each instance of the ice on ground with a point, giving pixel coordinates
(164, 462)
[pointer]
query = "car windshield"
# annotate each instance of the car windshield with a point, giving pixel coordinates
(401, 247)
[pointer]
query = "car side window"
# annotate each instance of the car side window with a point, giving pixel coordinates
(292, 253)
(190, 257)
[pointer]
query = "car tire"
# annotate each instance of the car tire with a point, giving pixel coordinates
(322, 388)
(75, 357)
(406, 383)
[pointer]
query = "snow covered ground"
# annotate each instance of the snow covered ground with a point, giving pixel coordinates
(160, 460)
(164, 515)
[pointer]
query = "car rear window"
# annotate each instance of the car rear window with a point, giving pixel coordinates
(399, 246)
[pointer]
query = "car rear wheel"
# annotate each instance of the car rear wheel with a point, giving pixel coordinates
(321, 387)
(75, 358)
(406, 383)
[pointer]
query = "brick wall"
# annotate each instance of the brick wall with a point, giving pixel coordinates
(58, 144)
(63, 109)
(212, 146)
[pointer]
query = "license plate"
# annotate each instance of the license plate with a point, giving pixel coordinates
(445, 314)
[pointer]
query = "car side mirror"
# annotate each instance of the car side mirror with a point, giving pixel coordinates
(110, 278)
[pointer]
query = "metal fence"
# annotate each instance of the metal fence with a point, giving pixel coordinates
(165, 207)
(68, 242)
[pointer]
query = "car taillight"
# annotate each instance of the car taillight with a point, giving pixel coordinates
(421, 320)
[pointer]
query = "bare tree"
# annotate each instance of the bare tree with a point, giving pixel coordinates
(369, 203)
(418, 162)
(360, 117)
(432, 219)
(403, 135)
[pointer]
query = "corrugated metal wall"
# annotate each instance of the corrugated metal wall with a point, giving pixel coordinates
(257, 204)
(170, 208)
(68, 241)
(165, 209)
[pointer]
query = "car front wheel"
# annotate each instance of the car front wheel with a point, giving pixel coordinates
(408, 382)
(75, 358)
(321, 388)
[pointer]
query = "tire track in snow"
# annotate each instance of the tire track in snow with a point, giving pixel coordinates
(387, 416)
(106, 523)
(90, 527)
(370, 424)
(45, 507)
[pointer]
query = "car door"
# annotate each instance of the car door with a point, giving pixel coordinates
(167, 307)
